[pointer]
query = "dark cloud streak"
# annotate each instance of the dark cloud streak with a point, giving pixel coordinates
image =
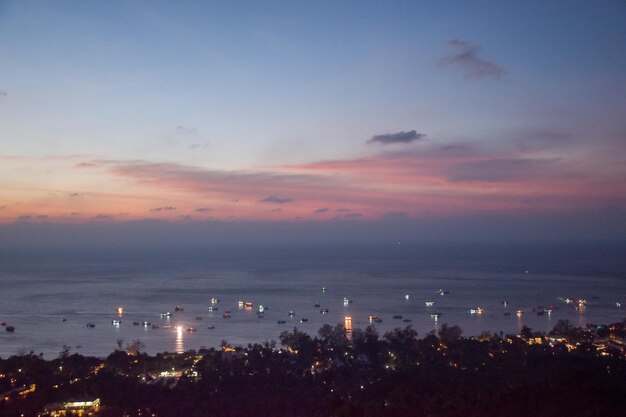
(399, 137)
(276, 199)
(466, 59)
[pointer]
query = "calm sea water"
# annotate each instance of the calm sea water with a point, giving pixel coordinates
(38, 289)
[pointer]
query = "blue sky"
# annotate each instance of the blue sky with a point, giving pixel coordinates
(278, 89)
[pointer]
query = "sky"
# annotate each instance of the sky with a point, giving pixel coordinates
(297, 121)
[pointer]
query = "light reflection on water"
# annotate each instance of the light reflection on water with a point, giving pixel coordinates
(180, 346)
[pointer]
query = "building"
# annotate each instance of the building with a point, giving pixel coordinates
(72, 408)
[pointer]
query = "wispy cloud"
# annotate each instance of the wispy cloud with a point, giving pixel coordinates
(167, 208)
(28, 217)
(195, 146)
(399, 137)
(103, 217)
(75, 195)
(501, 169)
(465, 177)
(465, 58)
(86, 165)
(276, 199)
(186, 129)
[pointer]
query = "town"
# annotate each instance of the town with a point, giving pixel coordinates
(339, 372)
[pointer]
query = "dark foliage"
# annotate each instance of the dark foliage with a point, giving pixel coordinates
(339, 373)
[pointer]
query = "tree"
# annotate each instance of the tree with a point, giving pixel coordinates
(526, 332)
(563, 328)
(449, 334)
(333, 337)
(299, 343)
(65, 352)
(402, 344)
(135, 347)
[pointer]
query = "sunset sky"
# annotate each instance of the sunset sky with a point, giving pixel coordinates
(338, 115)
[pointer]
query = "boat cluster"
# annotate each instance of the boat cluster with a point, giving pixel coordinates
(7, 328)
(578, 304)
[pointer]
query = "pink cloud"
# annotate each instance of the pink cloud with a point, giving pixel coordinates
(436, 181)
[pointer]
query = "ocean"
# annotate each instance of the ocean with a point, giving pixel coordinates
(50, 296)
